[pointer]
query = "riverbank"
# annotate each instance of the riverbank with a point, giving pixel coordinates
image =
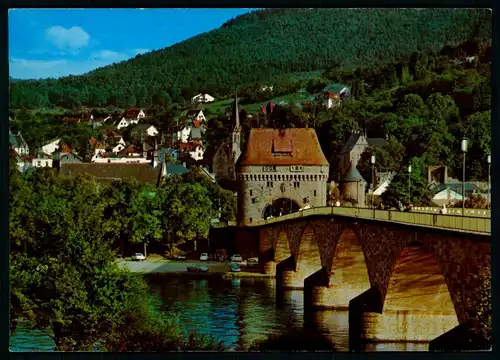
(158, 267)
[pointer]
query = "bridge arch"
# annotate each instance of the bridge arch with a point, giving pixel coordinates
(348, 273)
(307, 259)
(280, 206)
(417, 298)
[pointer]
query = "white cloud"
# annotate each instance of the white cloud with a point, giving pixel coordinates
(140, 51)
(40, 69)
(109, 55)
(73, 38)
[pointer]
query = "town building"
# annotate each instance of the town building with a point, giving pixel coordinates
(17, 142)
(353, 187)
(229, 151)
(51, 146)
(202, 98)
(130, 117)
(280, 171)
(357, 143)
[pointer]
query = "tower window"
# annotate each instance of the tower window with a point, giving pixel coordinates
(270, 184)
(314, 192)
(296, 184)
(250, 192)
(254, 200)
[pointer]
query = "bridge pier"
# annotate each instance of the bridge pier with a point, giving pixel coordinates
(287, 277)
(267, 263)
(461, 338)
(369, 323)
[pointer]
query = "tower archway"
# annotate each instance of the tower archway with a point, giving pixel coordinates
(280, 206)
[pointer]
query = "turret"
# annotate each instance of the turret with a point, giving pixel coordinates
(154, 158)
(236, 135)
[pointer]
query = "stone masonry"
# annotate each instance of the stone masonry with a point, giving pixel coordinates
(387, 274)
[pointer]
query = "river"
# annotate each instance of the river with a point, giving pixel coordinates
(237, 313)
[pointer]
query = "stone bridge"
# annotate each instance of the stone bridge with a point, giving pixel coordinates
(403, 276)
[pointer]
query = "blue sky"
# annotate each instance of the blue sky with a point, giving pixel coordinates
(54, 43)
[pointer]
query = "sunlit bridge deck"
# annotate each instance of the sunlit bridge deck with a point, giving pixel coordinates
(481, 223)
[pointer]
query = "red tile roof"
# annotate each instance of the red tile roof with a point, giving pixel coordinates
(92, 141)
(196, 123)
(299, 146)
(112, 133)
(65, 148)
(268, 108)
(132, 113)
(330, 95)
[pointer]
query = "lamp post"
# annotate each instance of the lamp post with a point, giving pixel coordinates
(489, 181)
(409, 184)
(372, 160)
(464, 150)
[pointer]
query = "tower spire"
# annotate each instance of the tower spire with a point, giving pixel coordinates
(236, 111)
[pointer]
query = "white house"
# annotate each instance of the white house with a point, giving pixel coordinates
(42, 160)
(51, 146)
(18, 143)
(22, 162)
(119, 147)
(197, 152)
(202, 98)
(134, 115)
(182, 135)
(144, 130)
(123, 123)
(131, 116)
(196, 115)
(98, 151)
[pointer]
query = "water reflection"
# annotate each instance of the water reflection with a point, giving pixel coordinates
(241, 312)
(237, 313)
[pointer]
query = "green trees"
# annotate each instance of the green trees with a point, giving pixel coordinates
(304, 44)
(63, 275)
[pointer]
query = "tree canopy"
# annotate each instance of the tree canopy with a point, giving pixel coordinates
(262, 46)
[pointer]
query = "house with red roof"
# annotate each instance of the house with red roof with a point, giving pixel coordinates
(130, 116)
(280, 171)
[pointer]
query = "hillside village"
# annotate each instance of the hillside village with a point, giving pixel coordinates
(131, 145)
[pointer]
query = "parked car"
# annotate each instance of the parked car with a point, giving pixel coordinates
(180, 258)
(252, 262)
(243, 263)
(235, 268)
(138, 257)
(237, 258)
(197, 268)
(204, 257)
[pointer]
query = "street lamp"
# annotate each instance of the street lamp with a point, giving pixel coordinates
(464, 144)
(373, 180)
(489, 181)
(409, 184)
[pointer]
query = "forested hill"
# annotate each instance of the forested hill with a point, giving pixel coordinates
(264, 45)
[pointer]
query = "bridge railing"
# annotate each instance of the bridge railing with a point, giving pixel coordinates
(453, 211)
(460, 223)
